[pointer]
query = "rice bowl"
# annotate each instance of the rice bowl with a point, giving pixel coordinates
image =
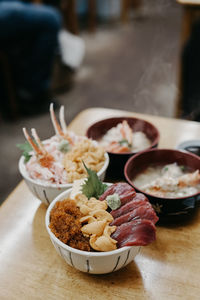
(50, 166)
(90, 262)
(46, 191)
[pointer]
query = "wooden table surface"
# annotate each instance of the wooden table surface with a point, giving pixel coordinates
(189, 2)
(30, 268)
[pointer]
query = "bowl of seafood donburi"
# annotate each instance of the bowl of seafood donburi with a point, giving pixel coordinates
(100, 229)
(50, 167)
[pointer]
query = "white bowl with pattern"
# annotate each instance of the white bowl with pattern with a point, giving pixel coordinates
(45, 191)
(90, 262)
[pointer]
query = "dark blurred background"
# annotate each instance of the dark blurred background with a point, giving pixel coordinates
(131, 62)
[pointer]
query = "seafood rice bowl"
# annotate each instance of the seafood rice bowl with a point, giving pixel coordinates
(169, 178)
(102, 232)
(123, 137)
(49, 167)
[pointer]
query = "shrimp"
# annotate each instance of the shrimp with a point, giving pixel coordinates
(126, 132)
(44, 158)
(156, 190)
(116, 148)
(60, 130)
(191, 179)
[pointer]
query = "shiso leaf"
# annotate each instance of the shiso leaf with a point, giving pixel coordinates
(26, 148)
(93, 187)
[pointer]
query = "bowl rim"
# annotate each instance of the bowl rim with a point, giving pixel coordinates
(154, 150)
(153, 144)
(24, 173)
(68, 248)
(186, 143)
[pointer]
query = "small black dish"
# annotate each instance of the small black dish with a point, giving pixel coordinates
(192, 146)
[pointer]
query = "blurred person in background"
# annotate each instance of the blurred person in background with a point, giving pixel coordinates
(191, 75)
(29, 37)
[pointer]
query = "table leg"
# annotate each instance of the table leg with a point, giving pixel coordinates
(125, 8)
(70, 15)
(92, 15)
(125, 5)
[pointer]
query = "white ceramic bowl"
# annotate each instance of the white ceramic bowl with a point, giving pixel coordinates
(46, 192)
(90, 262)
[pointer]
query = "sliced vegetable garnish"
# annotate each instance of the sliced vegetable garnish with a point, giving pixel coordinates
(124, 142)
(93, 187)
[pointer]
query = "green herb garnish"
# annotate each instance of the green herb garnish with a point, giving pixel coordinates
(64, 146)
(26, 148)
(124, 141)
(182, 168)
(166, 169)
(93, 187)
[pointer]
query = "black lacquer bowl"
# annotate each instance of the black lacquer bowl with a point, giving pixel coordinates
(167, 209)
(117, 160)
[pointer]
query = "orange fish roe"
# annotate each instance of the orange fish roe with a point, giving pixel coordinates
(65, 224)
(46, 161)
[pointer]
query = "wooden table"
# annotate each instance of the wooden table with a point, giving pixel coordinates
(30, 268)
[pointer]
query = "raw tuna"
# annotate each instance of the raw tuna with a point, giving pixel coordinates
(124, 190)
(135, 233)
(138, 200)
(144, 211)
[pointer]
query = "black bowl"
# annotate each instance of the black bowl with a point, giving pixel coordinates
(167, 209)
(117, 160)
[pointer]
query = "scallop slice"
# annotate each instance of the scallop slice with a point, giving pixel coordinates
(94, 228)
(101, 214)
(102, 243)
(96, 204)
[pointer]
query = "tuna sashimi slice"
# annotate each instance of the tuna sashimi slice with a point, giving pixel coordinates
(138, 200)
(124, 190)
(135, 233)
(144, 211)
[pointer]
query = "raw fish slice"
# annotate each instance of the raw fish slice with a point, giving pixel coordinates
(124, 190)
(138, 200)
(142, 212)
(135, 233)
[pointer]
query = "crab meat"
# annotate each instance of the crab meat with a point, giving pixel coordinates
(61, 130)
(44, 158)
